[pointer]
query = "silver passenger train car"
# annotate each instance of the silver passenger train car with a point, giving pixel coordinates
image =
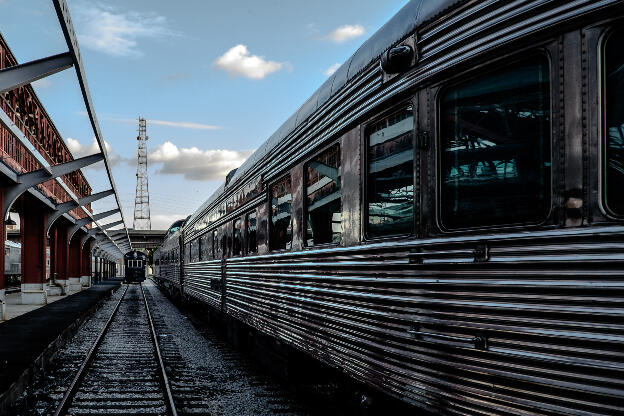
(167, 260)
(12, 263)
(443, 219)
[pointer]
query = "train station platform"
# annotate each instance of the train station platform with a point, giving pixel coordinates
(15, 308)
(28, 341)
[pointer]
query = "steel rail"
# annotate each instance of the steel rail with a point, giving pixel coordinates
(73, 387)
(163, 374)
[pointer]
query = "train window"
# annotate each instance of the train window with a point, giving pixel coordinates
(495, 147)
(237, 237)
(614, 119)
(252, 226)
(195, 250)
(281, 221)
(200, 249)
(390, 186)
(323, 203)
(206, 246)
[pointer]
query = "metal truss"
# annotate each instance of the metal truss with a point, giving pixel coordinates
(26, 73)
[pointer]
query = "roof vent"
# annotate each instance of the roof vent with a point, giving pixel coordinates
(229, 176)
(397, 59)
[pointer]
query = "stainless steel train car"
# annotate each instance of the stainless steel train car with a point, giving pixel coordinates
(12, 263)
(167, 261)
(443, 219)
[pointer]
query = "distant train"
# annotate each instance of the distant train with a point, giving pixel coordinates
(443, 220)
(135, 263)
(12, 263)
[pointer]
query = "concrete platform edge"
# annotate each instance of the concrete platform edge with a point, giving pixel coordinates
(49, 353)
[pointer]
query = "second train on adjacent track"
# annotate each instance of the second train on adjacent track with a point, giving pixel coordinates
(443, 219)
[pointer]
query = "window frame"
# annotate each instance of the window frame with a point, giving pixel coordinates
(269, 211)
(609, 32)
(463, 77)
(215, 240)
(199, 248)
(412, 101)
(242, 240)
(246, 232)
(304, 196)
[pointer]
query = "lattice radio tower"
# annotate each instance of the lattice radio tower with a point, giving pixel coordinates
(142, 219)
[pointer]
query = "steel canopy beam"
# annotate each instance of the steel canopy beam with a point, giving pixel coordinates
(34, 178)
(84, 221)
(65, 207)
(93, 231)
(19, 75)
(62, 12)
(84, 240)
(110, 225)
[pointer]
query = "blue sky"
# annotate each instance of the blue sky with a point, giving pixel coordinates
(214, 79)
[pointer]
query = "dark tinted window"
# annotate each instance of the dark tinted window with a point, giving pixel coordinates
(206, 247)
(187, 253)
(200, 248)
(390, 192)
(323, 202)
(252, 242)
(237, 237)
(195, 250)
(614, 131)
(281, 220)
(495, 148)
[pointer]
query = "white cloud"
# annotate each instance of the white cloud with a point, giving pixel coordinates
(330, 71)
(179, 124)
(77, 149)
(184, 124)
(238, 61)
(196, 164)
(113, 32)
(346, 32)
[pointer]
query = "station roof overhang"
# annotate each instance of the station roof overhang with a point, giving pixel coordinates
(19, 183)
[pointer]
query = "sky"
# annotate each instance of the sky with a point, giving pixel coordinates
(214, 79)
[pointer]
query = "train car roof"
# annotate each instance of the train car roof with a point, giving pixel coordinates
(402, 24)
(9, 243)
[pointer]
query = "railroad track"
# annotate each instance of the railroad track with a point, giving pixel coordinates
(123, 371)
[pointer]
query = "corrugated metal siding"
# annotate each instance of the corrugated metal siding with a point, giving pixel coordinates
(202, 281)
(550, 308)
(170, 273)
